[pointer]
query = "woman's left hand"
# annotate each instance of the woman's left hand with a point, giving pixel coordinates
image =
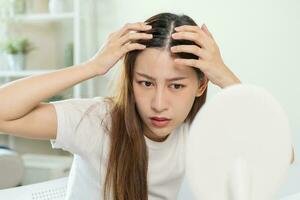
(210, 61)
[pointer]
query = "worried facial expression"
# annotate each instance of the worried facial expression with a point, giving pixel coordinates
(163, 89)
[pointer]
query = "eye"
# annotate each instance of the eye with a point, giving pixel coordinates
(147, 83)
(178, 86)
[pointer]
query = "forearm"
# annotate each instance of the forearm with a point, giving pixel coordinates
(230, 80)
(19, 97)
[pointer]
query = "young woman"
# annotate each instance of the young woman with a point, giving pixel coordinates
(129, 146)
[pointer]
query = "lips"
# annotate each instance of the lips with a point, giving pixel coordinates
(159, 118)
(160, 121)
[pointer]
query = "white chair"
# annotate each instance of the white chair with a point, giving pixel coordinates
(49, 190)
(11, 168)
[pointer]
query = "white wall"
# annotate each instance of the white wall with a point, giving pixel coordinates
(259, 41)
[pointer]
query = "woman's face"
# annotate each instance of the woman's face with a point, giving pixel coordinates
(156, 95)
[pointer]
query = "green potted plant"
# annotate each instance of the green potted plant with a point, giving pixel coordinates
(16, 50)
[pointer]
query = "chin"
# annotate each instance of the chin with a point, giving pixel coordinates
(161, 132)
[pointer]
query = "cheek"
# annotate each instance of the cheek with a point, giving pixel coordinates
(137, 89)
(184, 105)
(140, 99)
(138, 96)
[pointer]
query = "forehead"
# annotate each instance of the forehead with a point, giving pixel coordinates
(158, 63)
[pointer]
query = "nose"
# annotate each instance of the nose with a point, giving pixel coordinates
(159, 102)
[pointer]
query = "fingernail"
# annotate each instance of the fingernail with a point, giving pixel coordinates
(148, 26)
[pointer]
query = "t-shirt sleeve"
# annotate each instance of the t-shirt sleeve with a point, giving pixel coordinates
(76, 119)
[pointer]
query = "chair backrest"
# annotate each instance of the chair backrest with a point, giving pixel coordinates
(11, 168)
(49, 190)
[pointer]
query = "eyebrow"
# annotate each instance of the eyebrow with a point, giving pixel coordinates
(170, 79)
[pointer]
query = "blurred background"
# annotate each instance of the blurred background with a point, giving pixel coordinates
(258, 39)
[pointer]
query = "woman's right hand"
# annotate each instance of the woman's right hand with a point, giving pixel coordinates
(117, 45)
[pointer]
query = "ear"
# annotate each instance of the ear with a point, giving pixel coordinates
(202, 86)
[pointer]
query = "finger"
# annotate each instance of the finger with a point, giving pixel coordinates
(189, 28)
(205, 29)
(131, 46)
(196, 29)
(193, 49)
(191, 62)
(134, 36)
(139, 26)
(195, 37)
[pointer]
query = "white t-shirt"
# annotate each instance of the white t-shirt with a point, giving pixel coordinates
(80, 132)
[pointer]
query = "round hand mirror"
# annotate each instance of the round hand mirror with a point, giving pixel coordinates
(239, 146)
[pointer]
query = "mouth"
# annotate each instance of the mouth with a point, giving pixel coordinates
(159, 121)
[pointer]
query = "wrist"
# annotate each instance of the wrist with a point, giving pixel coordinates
(229, 78)
(93, 69)
(230, 81)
